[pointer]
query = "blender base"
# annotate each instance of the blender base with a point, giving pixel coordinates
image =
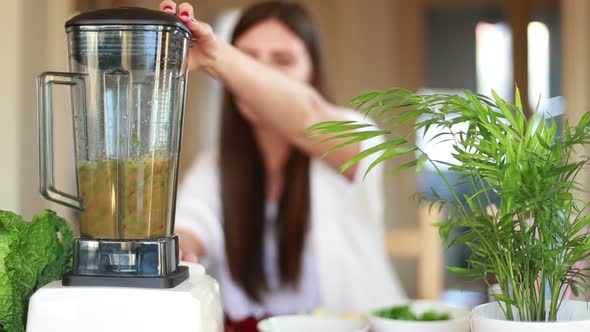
(192, 306)
(170, 281)
(154, 258)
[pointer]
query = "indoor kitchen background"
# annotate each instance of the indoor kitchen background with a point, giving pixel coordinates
(369, 44)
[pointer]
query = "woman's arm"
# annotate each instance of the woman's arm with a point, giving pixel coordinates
(284, 104)
(198, 218)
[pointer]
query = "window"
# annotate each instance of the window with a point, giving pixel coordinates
(493, 47)
(538, 62)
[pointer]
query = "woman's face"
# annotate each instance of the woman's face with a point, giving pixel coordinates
(273, 43)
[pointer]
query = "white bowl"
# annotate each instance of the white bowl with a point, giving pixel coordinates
(459, 321)
(308, 323)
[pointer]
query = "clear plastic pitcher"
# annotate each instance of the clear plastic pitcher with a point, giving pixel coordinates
(127, 77)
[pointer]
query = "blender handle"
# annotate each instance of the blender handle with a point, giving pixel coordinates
(45, 84)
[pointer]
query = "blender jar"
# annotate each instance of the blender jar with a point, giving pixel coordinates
(127, 76)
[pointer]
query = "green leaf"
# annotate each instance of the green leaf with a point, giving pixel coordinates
(376, 105)
(389, 154)
(362, 155)
(583, 124)
(341, 128)
(364, 135)
(542, 141)
(403, 167)
(504, 298)
(574, 289)
(404, 116)
(327, 124)
(61, 261)
(356, 138)
(366, 97)
(422, 159)
(584, 120)
(578, 225)
(463, 271)
(504, 108)
(31, 255)
(517, 99)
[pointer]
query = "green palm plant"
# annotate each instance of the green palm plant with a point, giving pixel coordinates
(539, 230)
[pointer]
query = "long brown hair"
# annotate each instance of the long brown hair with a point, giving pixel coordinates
(243, 175)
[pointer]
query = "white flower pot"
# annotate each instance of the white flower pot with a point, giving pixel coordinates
(573, 316)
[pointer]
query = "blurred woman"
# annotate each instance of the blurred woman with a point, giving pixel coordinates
(281, 230)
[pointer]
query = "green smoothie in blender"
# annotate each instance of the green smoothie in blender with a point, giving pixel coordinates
(127, 199)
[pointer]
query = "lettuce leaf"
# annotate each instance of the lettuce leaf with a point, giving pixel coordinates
(32, 254)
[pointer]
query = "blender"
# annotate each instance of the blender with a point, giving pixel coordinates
(127, 80)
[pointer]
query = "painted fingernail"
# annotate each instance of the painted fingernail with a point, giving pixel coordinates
(184, 13)
(168, 8)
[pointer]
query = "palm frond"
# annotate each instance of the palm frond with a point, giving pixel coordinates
(540, 229)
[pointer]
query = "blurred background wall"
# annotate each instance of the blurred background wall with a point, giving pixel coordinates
(33, 41)
(369, 44)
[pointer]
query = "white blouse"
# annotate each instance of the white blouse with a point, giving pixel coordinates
(278, 300)
(344, 268)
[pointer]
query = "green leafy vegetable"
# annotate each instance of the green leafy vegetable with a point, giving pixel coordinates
(32, 254)
(136, 141)
(403, 312)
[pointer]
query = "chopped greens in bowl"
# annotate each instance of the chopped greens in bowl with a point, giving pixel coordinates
(419, 316)
(404, 312)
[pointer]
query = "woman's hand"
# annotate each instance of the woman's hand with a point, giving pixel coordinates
(190, 247)
(206, 49)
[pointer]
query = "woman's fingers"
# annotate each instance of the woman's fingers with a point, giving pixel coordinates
(190, 248)
(201, 31)
(185, 11)
(168, 6)
(187, 256)
(190, 257)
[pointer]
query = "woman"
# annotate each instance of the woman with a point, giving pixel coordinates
(282, 231)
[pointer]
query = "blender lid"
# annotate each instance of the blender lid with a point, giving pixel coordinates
(126, 16)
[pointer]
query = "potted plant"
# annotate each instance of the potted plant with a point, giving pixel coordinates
(538, 231)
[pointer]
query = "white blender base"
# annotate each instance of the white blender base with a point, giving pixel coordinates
(194, 306)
